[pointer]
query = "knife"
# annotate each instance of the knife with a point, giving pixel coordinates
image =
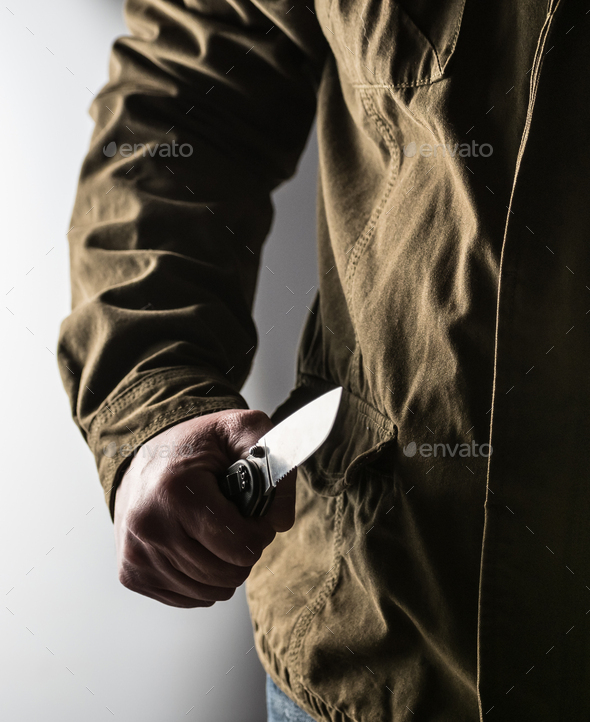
(251, 482)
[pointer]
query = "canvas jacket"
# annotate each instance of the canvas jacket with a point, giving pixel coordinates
(443, 585)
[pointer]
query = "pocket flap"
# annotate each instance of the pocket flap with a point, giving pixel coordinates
(361, 435)
(397, 44)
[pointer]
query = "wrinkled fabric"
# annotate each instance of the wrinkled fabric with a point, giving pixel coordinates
(452, 308)
(281, 708)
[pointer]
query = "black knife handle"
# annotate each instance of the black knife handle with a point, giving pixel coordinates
(243, 484)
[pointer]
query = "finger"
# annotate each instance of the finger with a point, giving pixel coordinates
(217, 524)
(281, 512)
(174, 580)
(242, 430)
(197, 562)
(175, 600)
(227, 538)
(143, 568)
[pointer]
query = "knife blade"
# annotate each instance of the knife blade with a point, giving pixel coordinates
(251, 482)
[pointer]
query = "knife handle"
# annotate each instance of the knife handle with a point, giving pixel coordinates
(243, 483)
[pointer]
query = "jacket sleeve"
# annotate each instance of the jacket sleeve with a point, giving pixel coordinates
(207, 109)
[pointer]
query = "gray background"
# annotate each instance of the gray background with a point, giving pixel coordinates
(74, 641)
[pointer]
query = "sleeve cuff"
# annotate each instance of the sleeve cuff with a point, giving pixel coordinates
(134, 416)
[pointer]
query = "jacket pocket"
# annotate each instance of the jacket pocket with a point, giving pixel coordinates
(398, 44)
(361, 439)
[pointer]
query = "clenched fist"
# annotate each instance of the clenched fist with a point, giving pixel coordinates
(178, 539)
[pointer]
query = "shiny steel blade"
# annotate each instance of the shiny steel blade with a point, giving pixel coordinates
(296, 438)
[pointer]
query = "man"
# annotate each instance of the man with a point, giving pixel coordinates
(437, 565)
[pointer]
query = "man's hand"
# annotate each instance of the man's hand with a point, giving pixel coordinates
(178, 539)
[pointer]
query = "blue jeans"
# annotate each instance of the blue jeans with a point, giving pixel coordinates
(280, 708)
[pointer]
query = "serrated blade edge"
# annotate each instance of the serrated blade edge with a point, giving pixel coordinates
(296, 438)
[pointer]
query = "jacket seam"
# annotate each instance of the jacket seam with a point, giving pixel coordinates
(337, 476)
(116, 471)
(368, 231)
(414, 84)
(534, 82)
(433, 78)
(365, 408)
(455, 36)
(125, 397)
(374, 86)
(306, 616)
(345, 715)
(279, 682)
(376, 423)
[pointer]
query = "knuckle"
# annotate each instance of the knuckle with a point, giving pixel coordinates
(261, 538)
(226, 594)
(129, 577)
(144, 523)
(211, 577)
(183, 605)
(134, 566)
(240, 575)
(246, 556)
(134, 556)
(255, 417)
(236, 422)
(216, 594)
(194, 603)
(231, 574)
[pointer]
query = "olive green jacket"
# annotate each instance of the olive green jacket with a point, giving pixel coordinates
(427, 576)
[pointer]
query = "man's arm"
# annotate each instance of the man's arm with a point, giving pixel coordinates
(165, 248)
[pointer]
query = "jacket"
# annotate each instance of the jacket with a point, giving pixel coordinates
(438, 565)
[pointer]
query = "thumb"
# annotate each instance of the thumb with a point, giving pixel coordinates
(281, 512)
(241, 429)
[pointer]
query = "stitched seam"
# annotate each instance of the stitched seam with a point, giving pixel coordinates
(351, 70)
(455, 37)
(427, 81)
(434, 49)
(289, 691)
(345, 715)
(424, 37)
(330, 10)
(361, 244)
(130, 394)
(376, 424)
(180, 412)
(373, 414)
(336, 476)
(545, 31)
(431, 78)
(352, 78)
(305, 618)
(331, 477)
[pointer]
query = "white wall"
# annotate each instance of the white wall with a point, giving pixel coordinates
(74, 642)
